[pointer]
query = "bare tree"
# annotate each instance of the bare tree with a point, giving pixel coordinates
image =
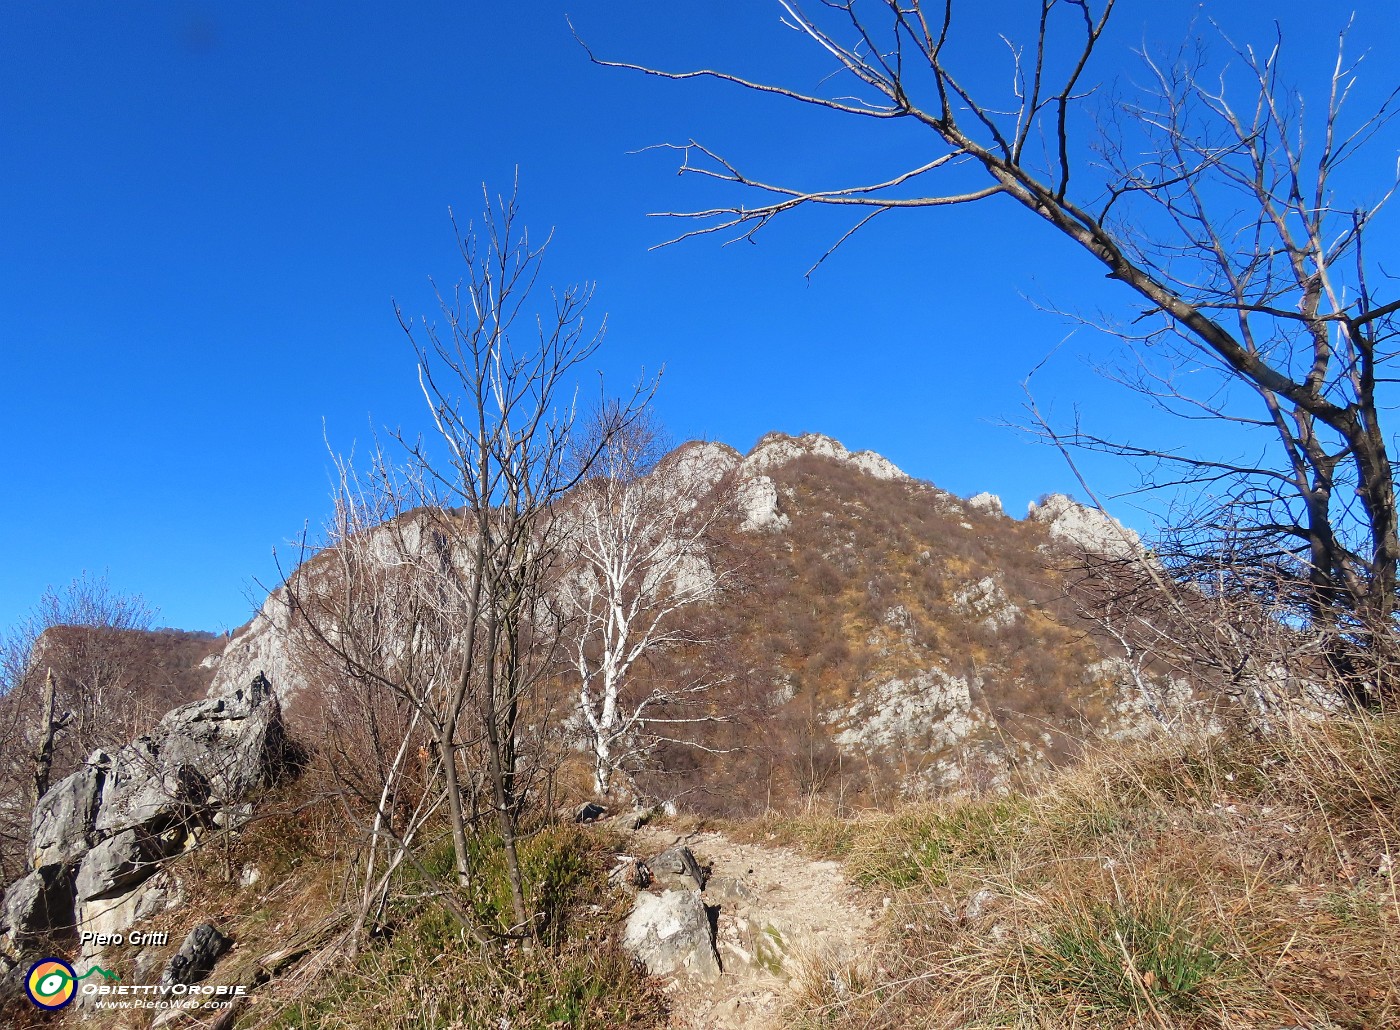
(375, 636)
(637, 535)
(1221, 623)
(1213, 197)
(66, 676)
(435, 586)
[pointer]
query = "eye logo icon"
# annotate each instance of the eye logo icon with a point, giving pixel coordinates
(51, 983)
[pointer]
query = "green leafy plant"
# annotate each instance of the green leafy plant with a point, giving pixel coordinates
(1129, 958)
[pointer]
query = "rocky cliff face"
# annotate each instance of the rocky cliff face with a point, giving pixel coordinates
(260, 648)
(775, 450)
(1073, 525)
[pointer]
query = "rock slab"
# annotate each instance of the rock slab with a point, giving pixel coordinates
(102, 831)
(671, 934)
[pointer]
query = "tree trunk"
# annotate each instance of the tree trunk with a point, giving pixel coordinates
(453, 792)
(496, 765)
(602, 768)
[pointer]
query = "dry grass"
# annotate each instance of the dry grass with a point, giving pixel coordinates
(1234, 882)
(421, 968)
(425, 970)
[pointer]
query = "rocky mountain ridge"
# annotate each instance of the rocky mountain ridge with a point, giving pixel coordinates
(698, 466)
(942, 627)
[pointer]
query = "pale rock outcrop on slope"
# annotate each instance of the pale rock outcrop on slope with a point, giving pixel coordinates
(758, 504)
(779, 449)
(696, 468)
(1142, 703)
(261, 647)
(1087, 528)
(986, 502)
(986, 602)
(926, 711)
(61, 826)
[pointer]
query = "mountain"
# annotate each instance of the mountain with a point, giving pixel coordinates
(872, 636)
(883, 659)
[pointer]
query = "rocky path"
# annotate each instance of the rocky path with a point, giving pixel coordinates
(779, 915)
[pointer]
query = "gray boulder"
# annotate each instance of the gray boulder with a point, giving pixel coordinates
(100, 833)
(629, 821)
(730, 891)
(202, 757)
(120, 863)
(677, 867)
(589, 812)
(35, 904)
(670, 933)
(24, 910)
(134, 792)
(62, 825)
(196, 957)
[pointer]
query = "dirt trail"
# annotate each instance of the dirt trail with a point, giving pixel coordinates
(778, 913)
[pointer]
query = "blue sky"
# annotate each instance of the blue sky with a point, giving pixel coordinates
(207, 211)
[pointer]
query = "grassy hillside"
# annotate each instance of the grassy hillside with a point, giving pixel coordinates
(1234, 881)
(284, 890)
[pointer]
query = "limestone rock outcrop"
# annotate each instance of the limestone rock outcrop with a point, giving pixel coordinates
(779, 449)
(677, 867)
(63, 823)
(986, 502)
(35, 902)
(203, 757)
(263, 647)
(758, 503)
(694, 469)
(119, 863)
(1088, 529)
(99, 834)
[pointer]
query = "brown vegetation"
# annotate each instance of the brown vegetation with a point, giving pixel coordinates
(863, 587)
(1232, 881)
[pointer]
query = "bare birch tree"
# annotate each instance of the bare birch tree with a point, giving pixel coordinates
(637, 536)
(1214, 196)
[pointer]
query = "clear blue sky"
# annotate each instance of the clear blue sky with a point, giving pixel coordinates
(207, 209)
